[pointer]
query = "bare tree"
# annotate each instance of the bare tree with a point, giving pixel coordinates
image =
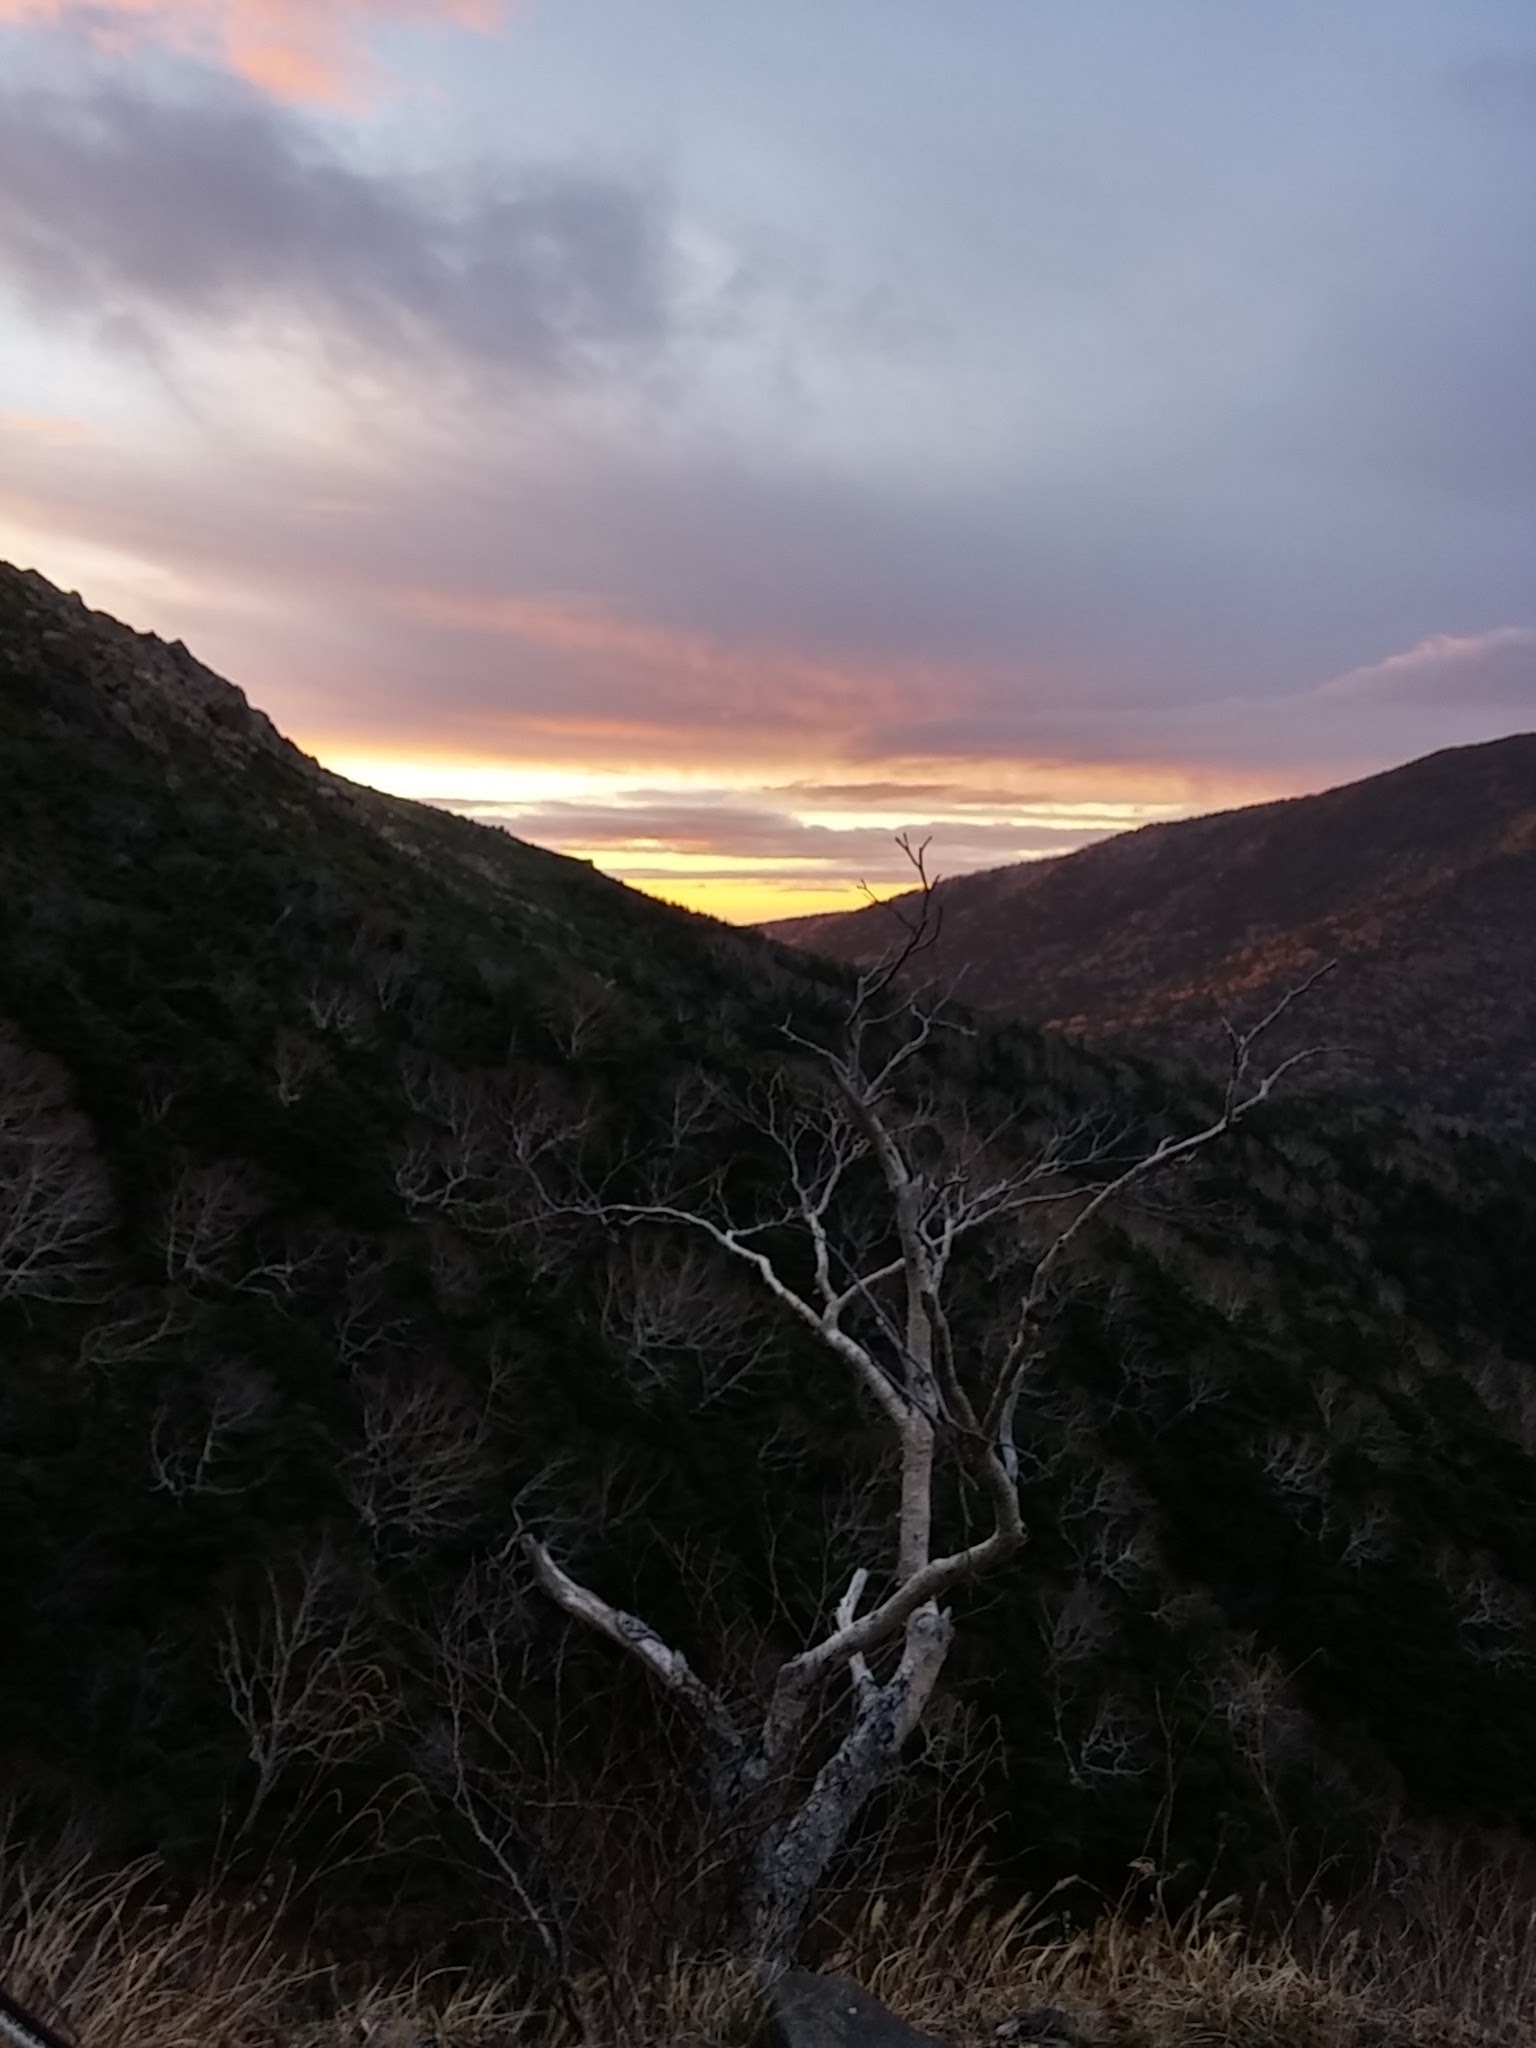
(476, 1674)
(55, 1203)
(878, 1186)
(145, 1323)
(299, 1677)
(296, 1061)
(193, 1457)
(205, 1217)
(425, 1450)
(672, 1310)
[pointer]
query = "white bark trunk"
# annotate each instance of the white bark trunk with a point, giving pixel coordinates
(792, 1860)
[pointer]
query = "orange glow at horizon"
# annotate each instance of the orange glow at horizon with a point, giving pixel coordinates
(748, 902)
(690, 860)
(782, 811)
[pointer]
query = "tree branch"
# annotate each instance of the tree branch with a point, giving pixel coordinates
(639, 1639)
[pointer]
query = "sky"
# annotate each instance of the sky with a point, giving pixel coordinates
(715, 436)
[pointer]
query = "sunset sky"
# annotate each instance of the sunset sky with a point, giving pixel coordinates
(712, 436)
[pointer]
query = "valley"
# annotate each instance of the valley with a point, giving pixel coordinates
(347, 1151)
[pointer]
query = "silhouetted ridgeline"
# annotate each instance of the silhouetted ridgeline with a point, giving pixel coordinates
(1421, 882)
(286, 1373)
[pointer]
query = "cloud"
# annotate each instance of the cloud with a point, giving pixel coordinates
(1502, 87)
(694, 679)
(296, 49)
(226, 211)
(1180, 448)
(48, 430)
(429, 610)
(1445, 690)
(1495, 670)
(689, 845)
(732, 825)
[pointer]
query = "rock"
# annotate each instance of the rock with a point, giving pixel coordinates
(22, 2029)
(809, 2011)
(1045, 2026)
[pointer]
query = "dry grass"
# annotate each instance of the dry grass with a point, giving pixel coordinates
(116, 1962)
(1438, 1952)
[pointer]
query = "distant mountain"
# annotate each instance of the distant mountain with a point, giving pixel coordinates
(1420, 882)
(281, 1339)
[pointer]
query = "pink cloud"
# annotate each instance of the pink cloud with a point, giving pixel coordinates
(1497, 667)
(295, 49)
(699, 679)
(46, 429)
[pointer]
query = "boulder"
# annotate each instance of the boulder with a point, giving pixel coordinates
(810, 2011)
(1043, 2026)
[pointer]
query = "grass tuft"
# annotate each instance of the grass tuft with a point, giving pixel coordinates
(1438, 1951)
(117, 1960)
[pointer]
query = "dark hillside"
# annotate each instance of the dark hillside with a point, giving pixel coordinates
(287, 1371)
(1421, 881)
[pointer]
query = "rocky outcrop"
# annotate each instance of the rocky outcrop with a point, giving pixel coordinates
(811, 2011)
(151, 687)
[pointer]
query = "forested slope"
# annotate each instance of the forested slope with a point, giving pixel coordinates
(288, 1370)
(1420, 881)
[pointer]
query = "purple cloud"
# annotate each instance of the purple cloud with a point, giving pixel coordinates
(225, 209)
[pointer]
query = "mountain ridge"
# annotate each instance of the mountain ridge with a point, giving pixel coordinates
(281, 1046)
(1420, 882)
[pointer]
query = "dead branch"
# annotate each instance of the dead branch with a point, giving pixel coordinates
(55, 1202)
(852, 1240)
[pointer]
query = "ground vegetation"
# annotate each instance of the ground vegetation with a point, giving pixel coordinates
(294, 1367)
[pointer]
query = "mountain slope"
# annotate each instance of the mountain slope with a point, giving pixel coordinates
(1421, 883)
(275, 1332)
